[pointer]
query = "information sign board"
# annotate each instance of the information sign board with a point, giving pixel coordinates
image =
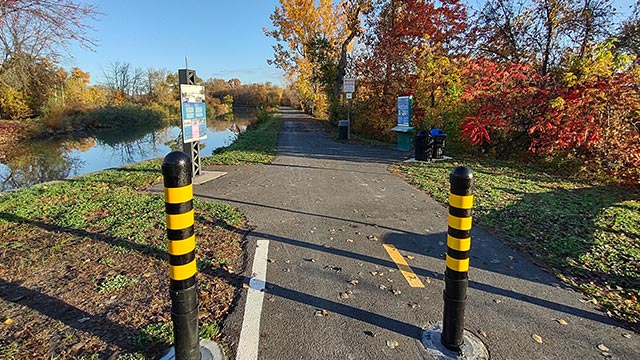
(348, 85)
(405, 110)
(194, 113)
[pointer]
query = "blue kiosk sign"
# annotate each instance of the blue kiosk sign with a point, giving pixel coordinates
(194, 113)
(405, 109)
(404, 129)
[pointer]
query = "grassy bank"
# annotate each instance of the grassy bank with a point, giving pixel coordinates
(587, 234)
(255, 146)
(83, 269)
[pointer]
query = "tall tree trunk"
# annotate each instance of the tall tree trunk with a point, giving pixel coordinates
(353, 26)
(549, 27)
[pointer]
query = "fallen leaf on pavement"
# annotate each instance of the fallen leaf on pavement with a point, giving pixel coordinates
(392, 344)
(334, 268)
(537, 338)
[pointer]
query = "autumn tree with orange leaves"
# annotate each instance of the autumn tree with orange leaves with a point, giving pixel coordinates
(401, 35)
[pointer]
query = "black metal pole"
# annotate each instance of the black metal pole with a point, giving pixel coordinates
(192, 149)
(458, 247)
(178, 197)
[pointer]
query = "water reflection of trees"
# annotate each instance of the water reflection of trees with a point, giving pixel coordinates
(130, 144)
(30, 164)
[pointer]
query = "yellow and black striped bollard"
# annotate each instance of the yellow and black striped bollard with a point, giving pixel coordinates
(178, 197)
(458, 247)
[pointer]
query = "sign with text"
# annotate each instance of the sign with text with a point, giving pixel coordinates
(194, 113)
(348, 85)
(405, 110)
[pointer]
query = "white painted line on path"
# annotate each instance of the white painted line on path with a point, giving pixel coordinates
(250, 333)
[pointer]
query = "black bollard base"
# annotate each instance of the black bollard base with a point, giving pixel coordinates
(453, 326)
(472, 347)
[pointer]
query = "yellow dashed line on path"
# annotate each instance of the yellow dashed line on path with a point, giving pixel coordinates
(405, 269)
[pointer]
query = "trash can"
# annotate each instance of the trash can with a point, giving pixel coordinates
(421, 146)
(437, 147)
(343, 129)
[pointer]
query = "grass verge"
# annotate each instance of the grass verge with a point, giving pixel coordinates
(83, 267)
(255, 146)
(587, 234)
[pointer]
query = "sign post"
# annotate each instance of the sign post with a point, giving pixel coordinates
(349, 87)
(193, 110)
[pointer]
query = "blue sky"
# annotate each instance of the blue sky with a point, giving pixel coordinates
(222, 39)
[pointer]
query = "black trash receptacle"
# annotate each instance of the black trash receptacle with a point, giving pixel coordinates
(438, 143)
(421, 146)
(343, 129)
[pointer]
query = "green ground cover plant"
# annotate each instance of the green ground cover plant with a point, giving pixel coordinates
(255, 146)
(587, 233)
(84, 271)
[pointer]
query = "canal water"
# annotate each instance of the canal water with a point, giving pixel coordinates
(45, 160)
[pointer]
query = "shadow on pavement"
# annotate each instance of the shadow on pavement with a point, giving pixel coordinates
(327, 149)
(439, 276)
(333, 168)
(345, 310)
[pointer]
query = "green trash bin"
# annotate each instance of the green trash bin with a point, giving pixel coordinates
(405, 137)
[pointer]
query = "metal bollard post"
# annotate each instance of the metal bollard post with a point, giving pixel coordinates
(178, 197)
(458, 246)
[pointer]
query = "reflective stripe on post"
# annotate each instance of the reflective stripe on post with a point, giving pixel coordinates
(457, 259)
(178, 197)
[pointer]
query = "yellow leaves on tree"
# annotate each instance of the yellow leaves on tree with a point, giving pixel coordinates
(13, 104)
(313, 38)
